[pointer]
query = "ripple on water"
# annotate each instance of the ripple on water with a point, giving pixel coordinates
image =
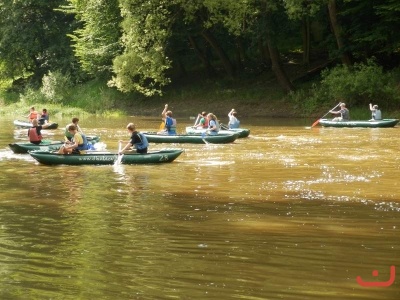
(9, 155)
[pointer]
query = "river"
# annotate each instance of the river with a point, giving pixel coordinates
(291, 212)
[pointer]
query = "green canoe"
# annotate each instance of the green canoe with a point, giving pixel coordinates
(25, 124)
(191, 138)
(242, 132)
(25, 147)
(105, 158)
(369, 124)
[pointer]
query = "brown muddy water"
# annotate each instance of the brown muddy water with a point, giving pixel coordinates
(288, 213)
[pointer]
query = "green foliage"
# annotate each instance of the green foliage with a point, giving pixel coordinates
(372, 26)
(360, 85)
(146, 29)
(303, 101)
(91, 97)
(95, 97)
(235, 16)
(96, 42)
(56, 87)
(136, 42)
(22, 108)
(298, 9)
(7, 98)
(31, 96)
(33, 39)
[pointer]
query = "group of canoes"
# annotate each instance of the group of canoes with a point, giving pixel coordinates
(36, 141)
(206, 129)
(50, 152)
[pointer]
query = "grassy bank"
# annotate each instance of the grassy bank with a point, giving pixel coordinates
(250, 98)
(254, 100)
(258, 96)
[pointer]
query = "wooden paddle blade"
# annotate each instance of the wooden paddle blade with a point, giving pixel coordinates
(315, 123)
(162, 126)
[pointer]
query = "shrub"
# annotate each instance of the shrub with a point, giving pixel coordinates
(56, 87)
(32, 96)
(359, 85)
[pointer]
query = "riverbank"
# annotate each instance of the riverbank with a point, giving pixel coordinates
(252, 96)
(181, 108)
(260, 97)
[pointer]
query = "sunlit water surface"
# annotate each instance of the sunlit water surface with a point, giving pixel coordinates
(288, 213)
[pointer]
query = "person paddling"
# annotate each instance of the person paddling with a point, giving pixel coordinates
(203, 123)
(233, 120)
(137, 141)
(33, 114)
(170, 123)
(213, 124)
(68, 135)
(343, 112)
(78, 144)
(44, 117)
(376, 112)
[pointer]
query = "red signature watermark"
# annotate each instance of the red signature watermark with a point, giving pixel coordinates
(375, 273)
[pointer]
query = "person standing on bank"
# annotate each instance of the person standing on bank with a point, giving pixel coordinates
(78, 144)
(343, 112)
(35, 132)
(137, 141)
(376, 112)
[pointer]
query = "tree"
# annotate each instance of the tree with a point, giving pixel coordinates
(338, 32)
(270, 13)
(33, 39)
(243, 19)
(97, 41)
(303, 10)
(142, 64)
(387, 25)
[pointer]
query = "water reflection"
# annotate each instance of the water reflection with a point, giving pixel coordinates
(289, 213)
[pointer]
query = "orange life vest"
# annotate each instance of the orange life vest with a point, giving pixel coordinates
(33, 115)
(33, 135)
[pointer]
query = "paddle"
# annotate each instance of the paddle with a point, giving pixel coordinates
(162, 125)
(316, 122)
(120, 155)
(203, 135)
(195, 122)
(224, 127)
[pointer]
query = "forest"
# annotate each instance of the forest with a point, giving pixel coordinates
(312, 51)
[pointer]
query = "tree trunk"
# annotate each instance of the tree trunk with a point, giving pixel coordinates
(180, 67)
(306, 41)
(280, 73)
(337, 31)
(240, 54)
(264, 53)
(220, 52)
(206, 62)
